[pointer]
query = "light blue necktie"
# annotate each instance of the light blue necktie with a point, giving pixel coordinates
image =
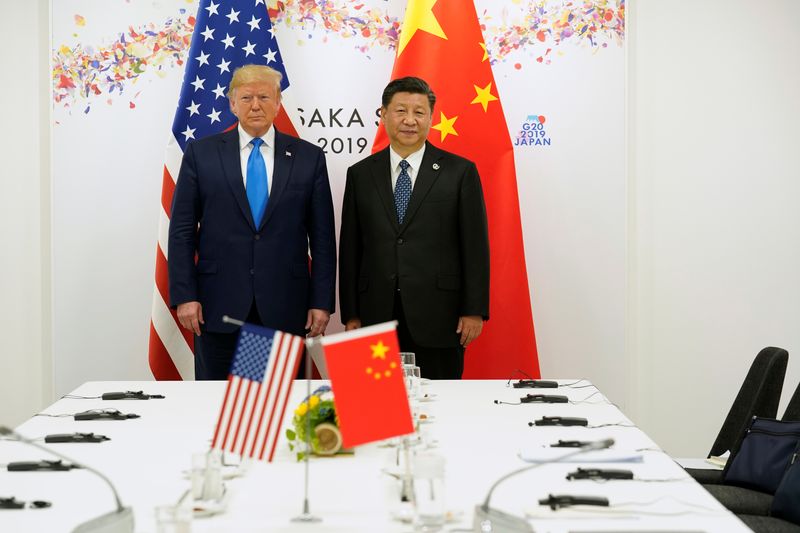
(402, 191)
(257, 187)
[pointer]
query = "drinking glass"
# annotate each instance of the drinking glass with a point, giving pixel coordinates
(429, 497)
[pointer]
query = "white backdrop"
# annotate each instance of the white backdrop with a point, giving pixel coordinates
(706, 220)
(107, 168)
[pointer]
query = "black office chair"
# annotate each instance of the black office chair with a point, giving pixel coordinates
(752, 506)
(768, 524)
(759, 395)
(792, 412)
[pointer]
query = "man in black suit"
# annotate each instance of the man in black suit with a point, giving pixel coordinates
(414, 243)
(248, 205)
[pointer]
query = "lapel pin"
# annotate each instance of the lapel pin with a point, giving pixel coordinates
(288, 153)
(436, 166)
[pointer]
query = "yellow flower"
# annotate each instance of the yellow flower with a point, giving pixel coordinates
(302, 409)
(314, 401)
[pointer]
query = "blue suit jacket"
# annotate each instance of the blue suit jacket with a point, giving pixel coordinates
(238, 262)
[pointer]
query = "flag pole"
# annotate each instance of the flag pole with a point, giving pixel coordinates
(306, 516)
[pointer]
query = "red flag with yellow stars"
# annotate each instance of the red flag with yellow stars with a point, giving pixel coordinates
(369, 389)
(441, 42)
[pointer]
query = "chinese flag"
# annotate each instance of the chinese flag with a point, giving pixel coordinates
(441, 42)
(368, 384)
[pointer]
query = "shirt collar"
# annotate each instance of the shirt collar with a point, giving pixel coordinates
(415, 159)
(245, 138)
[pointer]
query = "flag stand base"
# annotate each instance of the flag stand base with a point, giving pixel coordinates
(306, 518)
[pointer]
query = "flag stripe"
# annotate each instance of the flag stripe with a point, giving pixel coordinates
(247, 406)
(224, 415)
(176, 342)
(274, 370)
(255, 414)
(167, 191)
(162, 366)
(289, 371)
(235, 411)
(258, 437)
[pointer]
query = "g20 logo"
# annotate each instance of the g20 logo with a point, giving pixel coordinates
(533, 132)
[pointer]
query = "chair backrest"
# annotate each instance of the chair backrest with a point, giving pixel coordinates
(759, 396)
(792, 412)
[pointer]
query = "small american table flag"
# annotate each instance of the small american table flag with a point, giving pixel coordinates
(264, 365)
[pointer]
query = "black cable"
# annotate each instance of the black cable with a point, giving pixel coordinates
(615, 424)
(665, 480)
(74, 397)
(573, 385)
(514, 373)
(591, 403)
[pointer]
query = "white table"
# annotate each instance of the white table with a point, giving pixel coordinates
(148, 457)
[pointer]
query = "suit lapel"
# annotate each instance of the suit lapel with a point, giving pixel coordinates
(382, 178)
(426, 176)
(232, 166)
(282, 169)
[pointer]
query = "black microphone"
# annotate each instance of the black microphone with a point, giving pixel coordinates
(488, 519)
(118, 521)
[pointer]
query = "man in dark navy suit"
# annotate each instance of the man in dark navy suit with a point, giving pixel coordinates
(249, 205)
(414, 243)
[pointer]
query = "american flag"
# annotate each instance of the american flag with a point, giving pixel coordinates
(227, 34)
(264, 365)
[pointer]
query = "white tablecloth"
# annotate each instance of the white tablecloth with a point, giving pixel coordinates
(147, 459)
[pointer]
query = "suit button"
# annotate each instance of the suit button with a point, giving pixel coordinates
(252, 271)
(400, 241)
(257, 237)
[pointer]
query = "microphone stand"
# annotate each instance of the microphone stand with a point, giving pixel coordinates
(118, 521)
(496, 521)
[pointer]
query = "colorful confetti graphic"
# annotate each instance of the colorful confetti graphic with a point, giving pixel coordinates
(547, 24)
(369, 25)
(85, 74)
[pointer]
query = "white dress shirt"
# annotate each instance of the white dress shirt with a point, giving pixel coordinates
(267, 152)
(414, 161)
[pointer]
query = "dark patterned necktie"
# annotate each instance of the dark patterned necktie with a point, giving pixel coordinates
(402, 191)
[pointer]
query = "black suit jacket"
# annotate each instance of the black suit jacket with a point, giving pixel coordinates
(438, 257)
(238, 262)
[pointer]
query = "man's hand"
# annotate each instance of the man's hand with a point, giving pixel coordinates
(469, 327)
(317, 322)
(353, 323)
(190, 315)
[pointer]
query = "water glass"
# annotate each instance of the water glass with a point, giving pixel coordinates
(198, 474)
(429, 497)
(415, 372)
(213, 487)
(413, 382)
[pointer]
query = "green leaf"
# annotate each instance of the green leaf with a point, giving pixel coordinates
(291, 435)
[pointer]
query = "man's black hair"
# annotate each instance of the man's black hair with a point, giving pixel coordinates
(408, 84)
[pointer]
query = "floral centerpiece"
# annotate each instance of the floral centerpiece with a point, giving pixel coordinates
(318, 413)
